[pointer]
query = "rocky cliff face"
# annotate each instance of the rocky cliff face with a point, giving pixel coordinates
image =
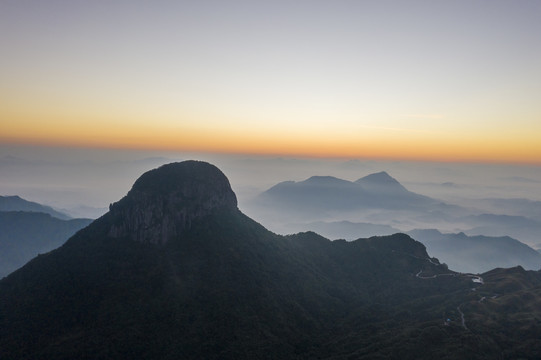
(164, 202)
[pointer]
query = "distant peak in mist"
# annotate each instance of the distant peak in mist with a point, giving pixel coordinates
(318, 195)
(381, 181)
(325, 180)
(380, 177)
(16, 203)
(377, 182)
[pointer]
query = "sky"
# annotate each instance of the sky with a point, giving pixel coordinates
(405, 80)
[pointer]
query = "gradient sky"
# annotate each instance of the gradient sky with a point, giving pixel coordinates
(432, 80)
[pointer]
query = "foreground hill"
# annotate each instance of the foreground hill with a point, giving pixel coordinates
(24, 235)
(175, 270)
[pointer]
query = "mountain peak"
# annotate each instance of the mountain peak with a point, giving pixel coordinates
(325, 181)
(382, 182)
(163, 202)
(380, 178)
(185, 177)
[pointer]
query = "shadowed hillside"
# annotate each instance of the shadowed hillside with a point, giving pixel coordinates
(24, 235)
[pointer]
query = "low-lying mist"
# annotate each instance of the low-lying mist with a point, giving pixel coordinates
(474, 199)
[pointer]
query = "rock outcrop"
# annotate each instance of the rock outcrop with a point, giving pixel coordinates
(164, 202)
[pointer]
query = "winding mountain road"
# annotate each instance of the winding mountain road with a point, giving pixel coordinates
(474, 278)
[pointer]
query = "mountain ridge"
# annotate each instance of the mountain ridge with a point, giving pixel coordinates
(328, 193)
(477, 253)
(16, 203)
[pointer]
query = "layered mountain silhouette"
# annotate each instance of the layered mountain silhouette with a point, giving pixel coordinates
(327, 194)
(479, 253)
(346, 230)
(16, 203)
(376, 199)
(378, 204)
(383, 184)
(175, 270)
(28, 228)
(24, 235)
(520, 227)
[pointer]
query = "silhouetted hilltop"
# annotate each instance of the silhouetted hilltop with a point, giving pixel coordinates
(175, 270)
(164, 202)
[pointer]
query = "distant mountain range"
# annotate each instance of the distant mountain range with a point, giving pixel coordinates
(324, 194)
(82, 211)
(377, 199)
(346, 230)
(378, 204)
(28, 229)
(520, 227)
(477, 254)
(15, 203)
(175, 270)
(474, 254)
(519, 207)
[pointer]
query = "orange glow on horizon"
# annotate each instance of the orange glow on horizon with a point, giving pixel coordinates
(292, 144)
(200, 133)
